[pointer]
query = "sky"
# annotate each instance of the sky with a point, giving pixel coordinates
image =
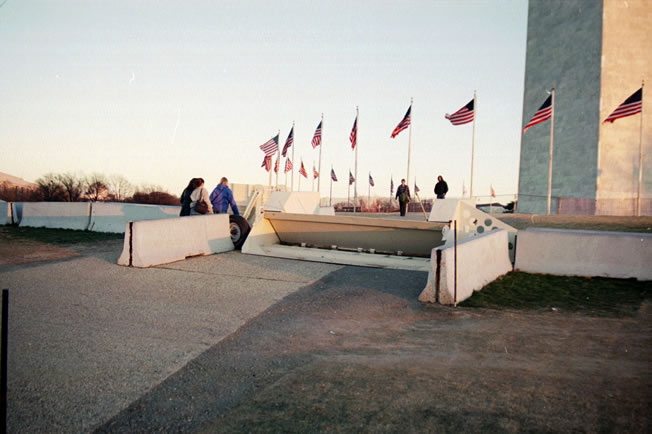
(164, 91)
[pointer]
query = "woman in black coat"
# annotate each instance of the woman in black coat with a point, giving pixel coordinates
(441, 188)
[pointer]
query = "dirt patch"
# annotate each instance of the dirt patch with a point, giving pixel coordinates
(356, 352)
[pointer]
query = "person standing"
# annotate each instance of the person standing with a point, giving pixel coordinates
(222, 197)
(403, 196)
(441, 188)
(200, 194)
(185, 197)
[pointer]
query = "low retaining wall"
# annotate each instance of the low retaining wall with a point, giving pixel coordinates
(61, 215)
(154, 242)
(585, 253)
(113, 216)
(480, 260)
(5, 213)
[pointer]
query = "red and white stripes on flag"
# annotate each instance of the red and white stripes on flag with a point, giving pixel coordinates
(631, 106)
(267, 163)
(403, 124)
(333, 176)
(276, 166)
(371, 181)
(288, 165)
(543, 114)
(351, 178)
(493, 193)
(463, 115)
(316, 139)
(302, 170)
(315, 174)
(270, 147)
(354, 133)
(288, 142)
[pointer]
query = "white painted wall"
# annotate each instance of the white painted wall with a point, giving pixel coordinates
(585, 253)
(113, 216)
(62, 215)
(480, 260)
(154, 242)
(5, 212)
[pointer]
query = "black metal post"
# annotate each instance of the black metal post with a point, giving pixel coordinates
(3, 361)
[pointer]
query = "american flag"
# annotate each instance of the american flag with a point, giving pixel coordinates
(351, 178)
(288, 142)
(403, 124)
(354, 133)
(463, 115)
(333, 177)
(631, 106)
(270, 147)
(491, 189)
(315, 174)
(302, 171)
(288, 165)
(371, 181)
(391, 186)
(416, 189)
(276, 166)
(316, 139)
(267, 163)
(543, 114)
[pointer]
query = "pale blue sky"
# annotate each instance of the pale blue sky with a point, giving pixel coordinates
(162, 91)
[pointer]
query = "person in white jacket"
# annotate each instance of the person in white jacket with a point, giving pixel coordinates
(200, 194)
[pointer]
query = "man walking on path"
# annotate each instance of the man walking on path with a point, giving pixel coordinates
(222, 197)
(441, 188)
(403, 196)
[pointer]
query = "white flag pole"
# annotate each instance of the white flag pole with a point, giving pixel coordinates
(293, 160)
(321, 145)
(640, 158)
(552, 129)
(330, 200)
(355, 187)
(407, 180)
(278, 162)
(475, 113)
(299, 187)
(348, 192)
(369, 192)
(312, 175)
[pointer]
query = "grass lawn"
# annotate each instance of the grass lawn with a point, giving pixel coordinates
(53, 236)
(595, 296)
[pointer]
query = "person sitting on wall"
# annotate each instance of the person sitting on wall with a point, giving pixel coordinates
(185, 197)
(198, 196)
(222, 197)
(441, 188)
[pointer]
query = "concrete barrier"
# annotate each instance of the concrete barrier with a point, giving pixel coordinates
(585, 253)
(16, 212)
(154, 242)
(304, 202)
(113, 216)
(443, 210)
(61, 215)
(480, 260)
(5, 213)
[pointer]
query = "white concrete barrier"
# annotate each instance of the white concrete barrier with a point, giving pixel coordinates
(113, 216)
(5, 213)
(154, 242)
(585, 253)
(61, 215)
(443, 210)
(297, 202)
(480, 260)
(16, 212)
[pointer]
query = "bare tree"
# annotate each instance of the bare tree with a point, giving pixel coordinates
(96, 187)
(73, 186)
(119, 187)
(50, 189)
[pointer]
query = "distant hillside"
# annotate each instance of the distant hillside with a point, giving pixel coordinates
(15, 181)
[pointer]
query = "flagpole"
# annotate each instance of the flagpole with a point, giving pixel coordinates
(348, 191)
(321, 145)
(355, 187)
(277, 166)
(293, 161)
(299, 187)
(475, 113)
(640, 157)
(407, 181)
(330, 200)
(552, 130)
(369, 192)
(313, 176)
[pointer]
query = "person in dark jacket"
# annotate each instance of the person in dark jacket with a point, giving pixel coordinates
(222, 197)
(403, 196)
(185, 197)
(441, 188)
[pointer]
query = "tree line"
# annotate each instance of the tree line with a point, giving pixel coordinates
(69, 187)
